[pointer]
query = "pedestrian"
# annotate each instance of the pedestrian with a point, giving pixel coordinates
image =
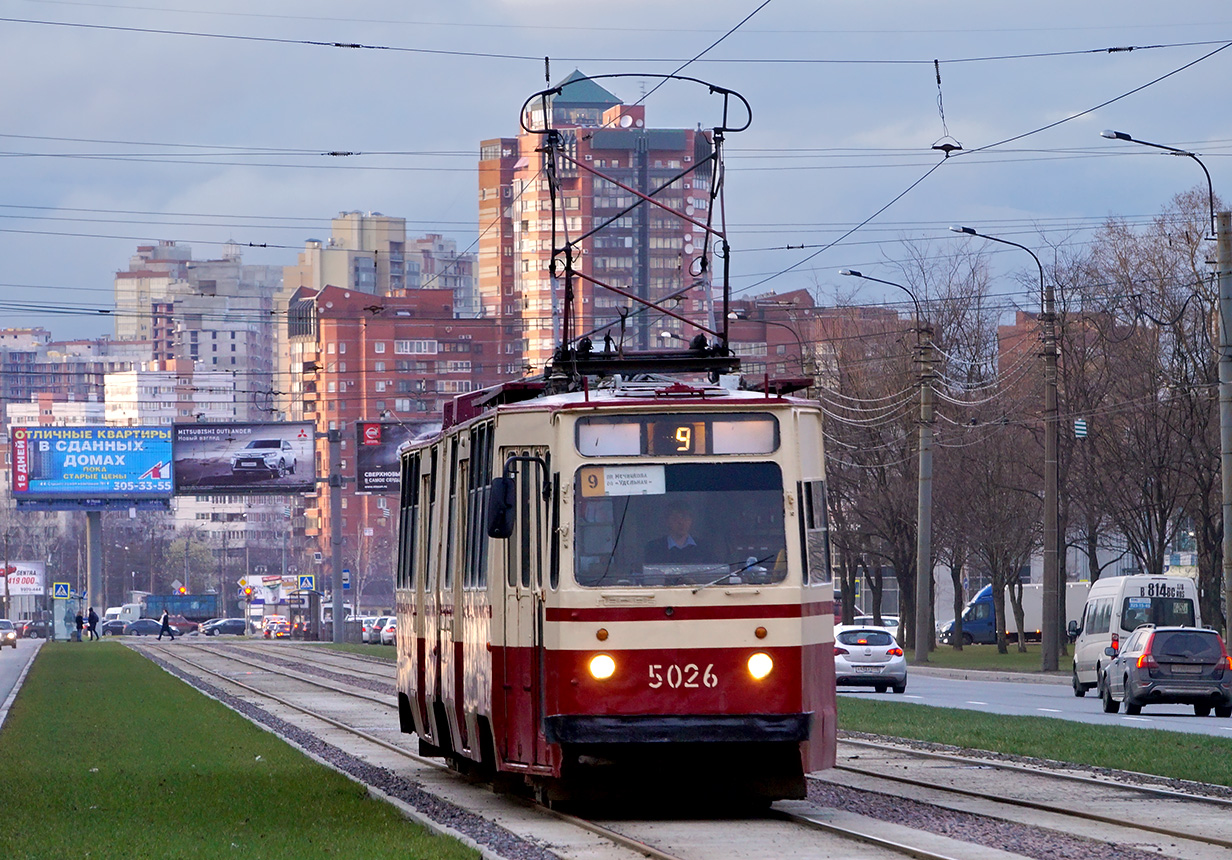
(166, 628)
(80, 623)
(92, 619)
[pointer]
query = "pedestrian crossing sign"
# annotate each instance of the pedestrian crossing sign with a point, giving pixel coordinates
(307, 582)
(60, 591)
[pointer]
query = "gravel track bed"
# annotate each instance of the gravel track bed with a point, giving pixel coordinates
(989, 832)
(310, 669)
(1145, 780)
(1022, 839)
(492, 836)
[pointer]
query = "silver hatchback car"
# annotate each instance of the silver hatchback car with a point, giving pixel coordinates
(869, 657)
(1169, 665)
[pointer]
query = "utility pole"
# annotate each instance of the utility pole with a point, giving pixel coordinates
(924, 508)
(1223, 271)
(923, 622)
(335, 530)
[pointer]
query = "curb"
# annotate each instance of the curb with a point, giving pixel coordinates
(990, 675)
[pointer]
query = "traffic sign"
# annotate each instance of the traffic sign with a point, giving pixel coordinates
(307, 582)
(1080, 428)
(60, 591)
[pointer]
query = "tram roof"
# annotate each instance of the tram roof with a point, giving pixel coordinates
(533, 395)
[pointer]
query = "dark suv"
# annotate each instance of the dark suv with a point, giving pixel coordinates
(1170, 666)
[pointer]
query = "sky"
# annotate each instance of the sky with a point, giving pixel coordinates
(128, 122)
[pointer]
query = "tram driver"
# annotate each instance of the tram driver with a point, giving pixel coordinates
(678, 546)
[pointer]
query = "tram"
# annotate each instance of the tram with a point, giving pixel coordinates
(615, 577)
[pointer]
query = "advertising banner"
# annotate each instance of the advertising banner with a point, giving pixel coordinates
(91, 462)
(377, 446)
(244, 458)
(24, 578)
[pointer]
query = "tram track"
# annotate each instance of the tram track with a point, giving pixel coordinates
(637, 837)
(1113, 809)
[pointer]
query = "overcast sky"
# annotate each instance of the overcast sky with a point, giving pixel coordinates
(125, 123)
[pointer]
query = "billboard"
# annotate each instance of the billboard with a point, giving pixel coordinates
(244, 458)
(51, 463)
(24, 578)
(377, 445)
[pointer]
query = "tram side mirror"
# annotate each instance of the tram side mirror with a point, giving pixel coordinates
(502, 507)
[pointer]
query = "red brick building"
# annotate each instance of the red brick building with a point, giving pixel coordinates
(358, 357)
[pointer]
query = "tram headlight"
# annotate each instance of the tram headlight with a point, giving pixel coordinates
(602, 667)
(760, 665)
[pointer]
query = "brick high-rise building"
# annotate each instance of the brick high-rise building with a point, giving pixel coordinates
(358, 358)
(645, 250)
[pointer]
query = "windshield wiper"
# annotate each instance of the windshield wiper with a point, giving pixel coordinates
(749, 564)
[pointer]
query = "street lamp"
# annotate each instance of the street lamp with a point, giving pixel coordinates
(736, 315)
(924, 508)
(1222, 233)
(1210, 188)
(1050, 622)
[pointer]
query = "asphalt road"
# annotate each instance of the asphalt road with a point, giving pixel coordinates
(13, 663)
(1055, 700)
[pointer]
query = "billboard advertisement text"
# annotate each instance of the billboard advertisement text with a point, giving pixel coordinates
(24, 578)
(91, 462)
(376, 451)
(244, 458)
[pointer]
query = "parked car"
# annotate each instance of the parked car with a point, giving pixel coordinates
(1169, 665)
(389, 632)
(182, 625)
(142, 627)
(869, 657)
(276, 456)
(888, 622)
(8, 633)
(372, 629)
(225, 627)
(114, 627)
(33, 629)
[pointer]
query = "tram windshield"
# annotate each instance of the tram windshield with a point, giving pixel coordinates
(679, 524)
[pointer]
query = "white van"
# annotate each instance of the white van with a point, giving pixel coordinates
(126, 613)
(1116, 606)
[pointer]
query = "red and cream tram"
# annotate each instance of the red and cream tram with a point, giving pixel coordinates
(623, 584)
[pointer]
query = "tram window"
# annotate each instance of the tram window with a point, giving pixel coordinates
(679, 524)
(554, 562)
(451, 514)
(525, 523)
(481, 461)
(429, 489)
(408, 517)
(815, 531)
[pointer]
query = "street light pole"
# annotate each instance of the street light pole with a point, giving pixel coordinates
(1221, 231)
(1051, 615)
(924, 506)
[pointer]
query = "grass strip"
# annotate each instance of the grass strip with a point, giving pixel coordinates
(985, 657)
(381, 652)
(106, 755)
(1178, 755)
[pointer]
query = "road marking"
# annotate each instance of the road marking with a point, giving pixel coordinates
(977, 703)
(912, 697)
(1049, 710)
(1136, 720)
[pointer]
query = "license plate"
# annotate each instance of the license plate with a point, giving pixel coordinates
(1186, 669)
(867, 669)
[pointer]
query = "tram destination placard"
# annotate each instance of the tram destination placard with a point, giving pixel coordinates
(377, 446)
(91, 463)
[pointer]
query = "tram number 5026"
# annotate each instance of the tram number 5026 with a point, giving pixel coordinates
(689, 676)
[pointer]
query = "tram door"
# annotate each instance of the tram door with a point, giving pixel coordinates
(525, 561)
